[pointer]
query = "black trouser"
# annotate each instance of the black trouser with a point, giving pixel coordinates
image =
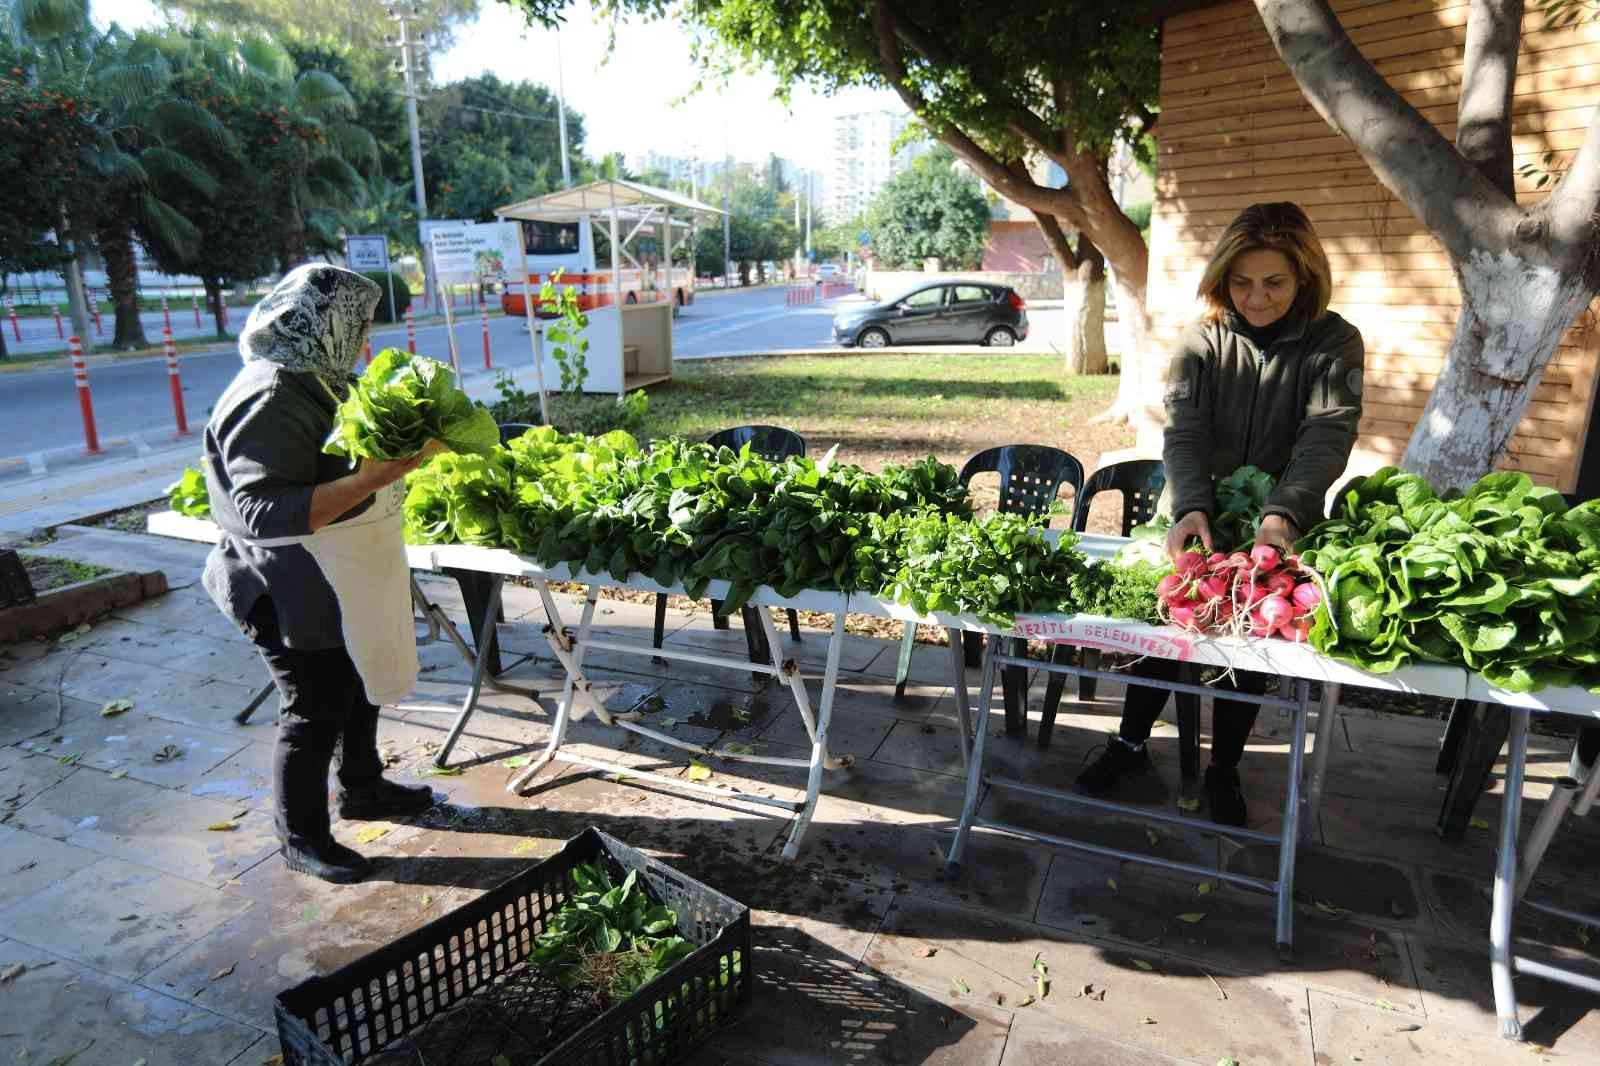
(1231, 720)
(322, 711)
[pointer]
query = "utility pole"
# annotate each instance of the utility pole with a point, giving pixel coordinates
(727, 221)
(799, 255)
(561, 117)
(412, 55)
(811, 178)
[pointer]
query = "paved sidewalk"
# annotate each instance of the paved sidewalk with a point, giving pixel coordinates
(130, 931)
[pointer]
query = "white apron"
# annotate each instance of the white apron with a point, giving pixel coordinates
(364, 559)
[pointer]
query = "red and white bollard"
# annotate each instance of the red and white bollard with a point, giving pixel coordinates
(172, 380)
(411, 334)
(11, 312)
(483, 310)
(55, 309)
(80, 377)
(195, 300)
(166, 316)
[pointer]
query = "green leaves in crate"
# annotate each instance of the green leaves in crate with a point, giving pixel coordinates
(403, 401)
(608, 937)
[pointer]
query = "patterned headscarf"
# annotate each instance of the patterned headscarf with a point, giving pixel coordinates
(315, 320)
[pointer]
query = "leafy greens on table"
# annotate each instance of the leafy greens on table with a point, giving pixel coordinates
(403, 401)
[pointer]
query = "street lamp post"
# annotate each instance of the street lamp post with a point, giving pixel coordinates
(409, 64)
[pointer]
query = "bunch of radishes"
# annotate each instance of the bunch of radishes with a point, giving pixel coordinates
(1259, 593)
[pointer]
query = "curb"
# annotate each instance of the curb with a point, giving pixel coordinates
(74, 604)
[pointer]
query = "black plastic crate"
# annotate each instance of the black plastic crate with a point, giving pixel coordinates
(16, 588)
(352, 1015)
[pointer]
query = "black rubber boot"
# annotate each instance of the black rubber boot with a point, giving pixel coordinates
(328, 860)
(383, 799)
(1117, 759)
(1227, 799)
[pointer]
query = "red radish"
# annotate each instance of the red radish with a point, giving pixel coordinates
(1306, 596)
(1168, 587)
(1214, 587)
(1181, 615)
(1239, 559)
(1265, 557)
(1191, 563)
(1296, 629)
(1281, 582)
(1216, 559)
(1269, 614)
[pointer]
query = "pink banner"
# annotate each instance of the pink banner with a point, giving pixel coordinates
(1107, 636)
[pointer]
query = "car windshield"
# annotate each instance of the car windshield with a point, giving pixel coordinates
(919, 297)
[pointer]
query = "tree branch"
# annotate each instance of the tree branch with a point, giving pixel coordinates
(1408, 155)
(1025, 191)
(1488, 73)
(1575, 203)
(1056, 238)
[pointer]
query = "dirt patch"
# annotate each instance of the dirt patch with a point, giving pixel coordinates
(129, 519)
(48, 572)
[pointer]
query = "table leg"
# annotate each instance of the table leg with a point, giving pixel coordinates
(558, 734)
(1290, 831)
(1327, 729)
(969, 803)
(958, 677)
(819, 747)
(255, 701)
(1480, 745)
(1503, 915)
(476, 588)
(480, 668)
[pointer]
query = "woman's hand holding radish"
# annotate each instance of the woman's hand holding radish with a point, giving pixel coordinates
(1194, 524)
(1279, 532)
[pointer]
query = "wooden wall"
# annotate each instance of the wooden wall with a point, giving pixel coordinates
(1234, 129)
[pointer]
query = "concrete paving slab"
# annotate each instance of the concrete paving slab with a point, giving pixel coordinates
(811, 651)
(169, 832)
(992, 955)
(27, 712)
(28, 775)
(58, 1011)
(181, 560)
(73, 802)
(119, 917)
(34, 863)
(1383, 892)
(99, 679)
(851, 731)
(244, 778)
(188, 609)
(1351, 1031)
(1035, 1043)
(815, 1007)
(128, 742)
(259, 953)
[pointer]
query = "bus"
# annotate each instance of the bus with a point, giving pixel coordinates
(569, 248)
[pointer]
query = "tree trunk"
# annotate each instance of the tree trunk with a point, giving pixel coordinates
(1513, 315)
(214, 298)
(115, 239)
(1138, 402)
(294, 250)
(1084, 308)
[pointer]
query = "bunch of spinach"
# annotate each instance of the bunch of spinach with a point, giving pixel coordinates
(1240, 498)
(608, 937)
(400, 403)
(1503, 579)
(189, 495)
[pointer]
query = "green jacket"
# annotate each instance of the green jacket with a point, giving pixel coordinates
(1291, 410)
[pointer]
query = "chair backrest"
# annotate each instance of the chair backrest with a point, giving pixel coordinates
(1030, 475)
(1139, 480)
(769, 442)
(510, 431)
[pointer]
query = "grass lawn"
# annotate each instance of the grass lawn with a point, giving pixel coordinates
(895, 408)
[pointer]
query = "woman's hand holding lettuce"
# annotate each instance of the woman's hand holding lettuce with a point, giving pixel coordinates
(400, 404)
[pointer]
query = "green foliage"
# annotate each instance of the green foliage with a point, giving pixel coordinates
(355, 28)
(1140, 214)
(44, 135)
(931, 210)
(403, 401)
(608, 937)
(402, 295)
(568, 345)
(1504, 579)
(189, 495)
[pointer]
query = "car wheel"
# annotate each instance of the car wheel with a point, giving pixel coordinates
(873, 338)
(1000, 337)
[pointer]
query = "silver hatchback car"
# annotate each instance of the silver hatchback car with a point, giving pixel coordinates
(945, 312)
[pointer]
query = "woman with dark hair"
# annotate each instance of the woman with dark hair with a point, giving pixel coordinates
(278, 497)
(1268, 377)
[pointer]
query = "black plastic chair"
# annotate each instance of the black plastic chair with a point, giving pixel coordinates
(770, 442)
(1031, 476)
(510, 431)
(1141, 482)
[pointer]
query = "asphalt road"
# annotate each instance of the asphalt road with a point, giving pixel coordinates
(133, 406)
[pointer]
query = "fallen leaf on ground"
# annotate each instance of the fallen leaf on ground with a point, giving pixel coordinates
(118, 774)
(1479, 823)
(1384, 1004)
(1186, 804)
(369, 833)
(999, 999)
(439, 771)
(1204, 887)
(499, 1060)
(224, 972)
(116, 707)
(1153, 836)
(1332, 911)
(275, 1060)
(128, 918)
(1025, 1001)
(70, 760)
(925, 952)
(1227, 1062)
(12, 972)
(524, 846)
(222, 827)
(1112, 881)
(516, 762)
(961, 986)
(1145, 966)
(1192, 917)
(168, 752)
(738, 749)
(1584, 935)
(426, 901)
(698, 771)
(1412, 1028)
(1147, 1020)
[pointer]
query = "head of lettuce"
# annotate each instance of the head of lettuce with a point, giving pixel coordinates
(401, 403)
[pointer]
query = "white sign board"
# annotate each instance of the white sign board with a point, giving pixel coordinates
(366, 253)
(468, 251)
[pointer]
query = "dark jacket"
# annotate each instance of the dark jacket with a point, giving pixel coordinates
(1291, 410)
(262, 458)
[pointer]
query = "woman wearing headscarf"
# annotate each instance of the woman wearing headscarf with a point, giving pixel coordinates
(272, 489)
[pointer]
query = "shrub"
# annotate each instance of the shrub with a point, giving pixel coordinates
(402, 295)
